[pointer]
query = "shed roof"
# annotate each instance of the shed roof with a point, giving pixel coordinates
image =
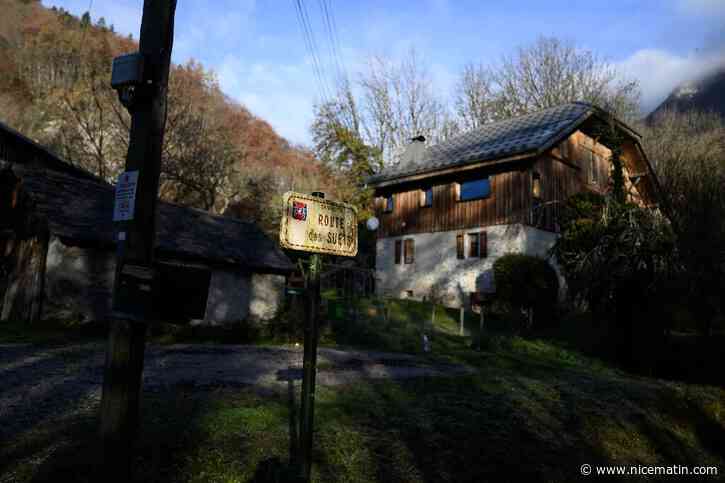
(35, 154)
(81, 209)
(530, 133)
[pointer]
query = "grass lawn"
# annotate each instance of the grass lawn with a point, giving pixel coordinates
(532, 409)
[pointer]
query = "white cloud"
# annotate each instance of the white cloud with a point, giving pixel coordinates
(659, 72)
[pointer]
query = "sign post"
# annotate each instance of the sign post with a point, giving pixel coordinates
(309, 369)
(311, 223)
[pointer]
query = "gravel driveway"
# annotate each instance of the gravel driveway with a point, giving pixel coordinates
(40, 383)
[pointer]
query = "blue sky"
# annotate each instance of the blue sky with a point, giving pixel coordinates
(257, 48)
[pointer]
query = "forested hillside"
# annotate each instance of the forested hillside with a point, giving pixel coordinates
(218, 156)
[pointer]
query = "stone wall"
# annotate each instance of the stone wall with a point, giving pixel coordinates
(79, 286)
(235, 296)
(78, 282)
(267, 296)
(229, 297)
(438, 273)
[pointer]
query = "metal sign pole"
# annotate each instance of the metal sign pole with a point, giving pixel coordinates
(309, 365)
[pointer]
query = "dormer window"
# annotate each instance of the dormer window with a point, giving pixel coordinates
(474, 190)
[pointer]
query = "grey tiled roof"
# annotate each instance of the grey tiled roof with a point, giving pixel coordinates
(513, 136)
(81, 209)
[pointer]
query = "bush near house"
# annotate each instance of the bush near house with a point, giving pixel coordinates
(529, 283)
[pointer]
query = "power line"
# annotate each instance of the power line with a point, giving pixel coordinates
(328, 19)
(311, 45)
(306, 34)
(320, 64)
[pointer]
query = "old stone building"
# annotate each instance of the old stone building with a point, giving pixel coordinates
(448, 211)
(57, 249)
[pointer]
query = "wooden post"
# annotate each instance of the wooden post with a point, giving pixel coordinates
(480, 326)
(135, 277)
(462, 316)
(309, 366)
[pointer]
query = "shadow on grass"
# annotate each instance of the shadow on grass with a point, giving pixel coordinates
(505, 422)
(532, 410)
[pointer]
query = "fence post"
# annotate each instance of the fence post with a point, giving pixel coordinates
(462, 316)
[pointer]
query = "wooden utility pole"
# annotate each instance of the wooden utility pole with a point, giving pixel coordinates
(135, 280)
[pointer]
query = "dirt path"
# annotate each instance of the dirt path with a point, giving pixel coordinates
(41, 383)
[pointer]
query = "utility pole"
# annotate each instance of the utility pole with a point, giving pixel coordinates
(309, 365)
(143, 92)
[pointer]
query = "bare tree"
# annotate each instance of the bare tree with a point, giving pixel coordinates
(475, 97)
(545, 74)
(389, 103)
(201, 162)
(688, 154)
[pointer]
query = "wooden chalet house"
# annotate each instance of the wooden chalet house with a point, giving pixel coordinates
(448, 211)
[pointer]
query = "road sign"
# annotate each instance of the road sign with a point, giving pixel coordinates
(125, 196)
(312, 224)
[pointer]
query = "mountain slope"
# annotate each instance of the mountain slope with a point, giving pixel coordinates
(54, 88)
(707, 94)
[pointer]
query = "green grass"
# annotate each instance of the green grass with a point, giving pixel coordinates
(533, 409)
(51, 332)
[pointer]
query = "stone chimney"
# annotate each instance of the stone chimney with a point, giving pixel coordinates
(413, 153)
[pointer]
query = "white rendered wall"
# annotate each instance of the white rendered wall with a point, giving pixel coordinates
(438, 272)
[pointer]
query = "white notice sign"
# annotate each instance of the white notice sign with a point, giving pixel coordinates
(125, 196)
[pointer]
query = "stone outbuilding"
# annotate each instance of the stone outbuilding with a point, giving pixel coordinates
(58, 254)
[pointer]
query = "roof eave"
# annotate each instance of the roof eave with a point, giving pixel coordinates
(467, 166)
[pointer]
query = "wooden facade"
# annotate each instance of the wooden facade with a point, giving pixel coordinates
(577, 164)
(506, 204)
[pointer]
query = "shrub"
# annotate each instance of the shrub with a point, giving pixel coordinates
(528, 283)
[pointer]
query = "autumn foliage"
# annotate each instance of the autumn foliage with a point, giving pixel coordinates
(218, 156)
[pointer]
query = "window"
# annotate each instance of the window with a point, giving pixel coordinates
(593, 165)
(536, 185)
(398, 251)
(473, 245)
(460, 251)
(473, 190)
(477, 245)
(426, 197)
(409, 251)
(389, 204)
